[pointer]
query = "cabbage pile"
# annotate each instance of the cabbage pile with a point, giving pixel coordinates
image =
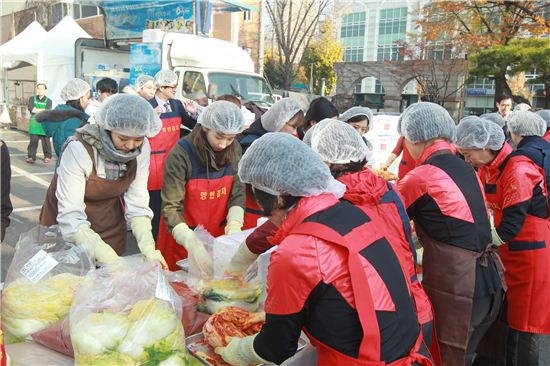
(28, 307)
(150, 334)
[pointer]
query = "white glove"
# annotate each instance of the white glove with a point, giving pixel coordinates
(185, 237)
(496, 238)
(143, 232)
(235, 220)
(93, 244)
(241, 261)
(240, 352)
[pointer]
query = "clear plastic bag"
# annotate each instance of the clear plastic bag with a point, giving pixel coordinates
(42, 279)
(126, 313)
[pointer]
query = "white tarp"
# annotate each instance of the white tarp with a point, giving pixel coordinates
(53, 56)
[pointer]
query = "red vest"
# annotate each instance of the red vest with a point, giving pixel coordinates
(161, 145)
(406, 164)
(526, 258)
(206, 196)
(547, 135)
(252, 212)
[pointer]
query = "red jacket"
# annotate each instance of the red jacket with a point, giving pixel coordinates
(339, 247)
(547, 135)
(365, 188)
(516, 192)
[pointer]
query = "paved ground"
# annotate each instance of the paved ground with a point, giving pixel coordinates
(29, 183)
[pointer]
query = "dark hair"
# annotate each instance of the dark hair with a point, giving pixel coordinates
(318, 110)
(45, 87)
(107, 85)
(299, 116)
(226, 156)
(75, 103)
(358, 118)
(502, 97)
(337, 170)
(230, 98)
(269, 202)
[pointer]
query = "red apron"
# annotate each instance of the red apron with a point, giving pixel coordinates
(206, 196)
(252, 211)
(369, 350)
(406, 164)
(161, 145)
(547, 135)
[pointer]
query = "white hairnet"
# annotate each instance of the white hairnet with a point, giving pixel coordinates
(142, 80)
(545, 115)
(479, 133)
(165, 78)
(525, 123)
(495, 118)
(279, 164)
(357, 111)
(337, 142)
(425, 121)
(129, 115)
(522, 107)
(74, 89)
(279, 114)
(223, 116)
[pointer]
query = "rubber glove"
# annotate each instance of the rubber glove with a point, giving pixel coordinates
(143, 232)
(235, 220)
(92, 242)
(388, 162)
(241, 261)
(185, 237)
(496, 238)
(240, 352)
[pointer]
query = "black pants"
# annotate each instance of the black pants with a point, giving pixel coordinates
(485, 311)
(155, 203)
(527, 349)
(33, 146)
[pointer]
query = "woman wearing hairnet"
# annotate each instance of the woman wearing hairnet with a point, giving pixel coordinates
(360, 118)
(200, 185)
(62, 122)
(545, 115)
(345, 153)
(101, 167)
(145, 86)
(333, 275)
(514, 187)
(318, 110)
(284, 116)
(444, 198)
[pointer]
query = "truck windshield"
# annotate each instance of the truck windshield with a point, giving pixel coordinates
(247, 88)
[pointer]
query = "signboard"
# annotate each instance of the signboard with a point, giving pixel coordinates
(128, 19)
(480, 91)
(145, 58)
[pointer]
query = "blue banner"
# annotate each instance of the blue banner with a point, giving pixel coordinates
(128, 19)
(145, 58)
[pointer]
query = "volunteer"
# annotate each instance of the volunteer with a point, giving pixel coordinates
(319, 109)
(522, 107)
(145, 86)
(360, 118)
(200, 185)
(504, 106)
(62, 122)
(101, 181)
(406, 164)
(38, 103)
(515, 192)
(444, 198)
(105, 88)
(496, 118)
(545, 115)
(284, 116)
(173, 116)
(333, 275)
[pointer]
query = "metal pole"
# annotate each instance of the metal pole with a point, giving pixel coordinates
(262, 39)
(311, 78)
(323, 87)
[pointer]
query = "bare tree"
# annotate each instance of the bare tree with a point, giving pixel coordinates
(294, 23)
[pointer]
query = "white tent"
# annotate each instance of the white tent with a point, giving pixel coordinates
(53, 56)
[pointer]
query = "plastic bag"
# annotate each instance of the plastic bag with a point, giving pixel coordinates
(126, 313)
(57, 337)
(216, 288)
(191, 319)
(42, 279)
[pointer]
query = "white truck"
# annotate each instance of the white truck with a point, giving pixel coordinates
(207, 68)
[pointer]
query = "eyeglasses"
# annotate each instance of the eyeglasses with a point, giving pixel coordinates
(170, 87)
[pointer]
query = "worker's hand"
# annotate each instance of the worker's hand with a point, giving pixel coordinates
(241, 261)
(194, 246)
(496, 238)
(190, 107)
(240, 352)
(143, 232)
(384, 166)
(235, 220)
(95, 246)
(159, 110)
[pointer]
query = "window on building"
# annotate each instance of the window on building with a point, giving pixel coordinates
(89, 11)
(378, 87)
(391, 29)
(57, 12)
(352, 35)
(482, 83)
(247, 16)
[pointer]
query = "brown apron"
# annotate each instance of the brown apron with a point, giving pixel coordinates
(449, 280)
(104, 206)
